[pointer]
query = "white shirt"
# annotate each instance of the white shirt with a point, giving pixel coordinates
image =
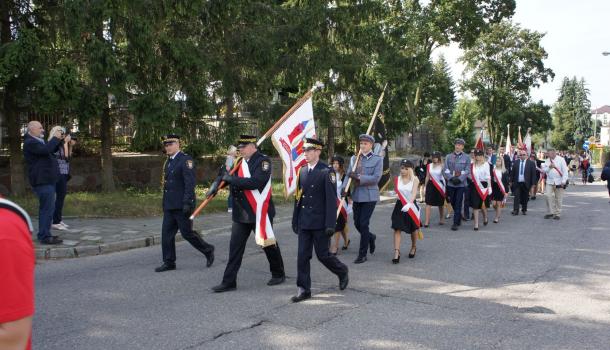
(552, 175)
(310, 167)
(482, 174)
(521, 170)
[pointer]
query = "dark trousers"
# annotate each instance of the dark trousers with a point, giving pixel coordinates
(46, 203)
(522, 196)
(362, 217)
(456, 198)
(239, 237)
(61, 189)
(318, 240)
(172, 221)
(467, 201)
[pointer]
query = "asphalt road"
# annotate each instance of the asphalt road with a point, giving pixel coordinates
(526, 283)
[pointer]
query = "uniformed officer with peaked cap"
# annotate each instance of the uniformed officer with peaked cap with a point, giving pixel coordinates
(244, 217)
(314, 219)
(178, 205)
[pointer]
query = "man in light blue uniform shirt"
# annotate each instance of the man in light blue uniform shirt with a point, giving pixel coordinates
(365, 193)
(456, 171)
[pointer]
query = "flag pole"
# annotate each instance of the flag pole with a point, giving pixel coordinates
(368, 132)
(274, 127)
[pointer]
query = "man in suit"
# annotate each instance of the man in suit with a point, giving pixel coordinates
(245, 191)
(523, 178)
(178, 205)
(365, 193)
(314, 219)
(43, 173)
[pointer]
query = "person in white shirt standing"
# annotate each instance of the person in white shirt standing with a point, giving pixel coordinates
(556, 171)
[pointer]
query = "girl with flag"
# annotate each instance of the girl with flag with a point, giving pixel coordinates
(405, 217)
(480, 190)
(499, 187)
(341, 229)
(435, 188)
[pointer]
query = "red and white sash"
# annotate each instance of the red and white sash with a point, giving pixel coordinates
(259, 202)
(440, 186)
(498, 179)
(345, 206)
(483, 192)
(556, 168)
(413, 209)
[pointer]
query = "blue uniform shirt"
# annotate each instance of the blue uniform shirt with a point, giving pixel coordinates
(457, 162)
(370, 169)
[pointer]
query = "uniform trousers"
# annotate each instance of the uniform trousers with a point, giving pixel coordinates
(318, 240)
(522, 196)
(554, 199)
(456, 198)
(172, 221)
(239, 238)
(362, 217)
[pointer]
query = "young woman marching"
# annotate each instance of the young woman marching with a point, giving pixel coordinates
(341, 229)
(480, 190)
(435, 188)
(499, 187)
(405, 216)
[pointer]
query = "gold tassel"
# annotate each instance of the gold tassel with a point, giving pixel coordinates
(420, 235)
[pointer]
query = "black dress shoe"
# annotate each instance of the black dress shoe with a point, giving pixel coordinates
(343, 281)
(300, 297)
(224, 287)
(346, 246)
(276, 280)
(360, 260)
(210, 257)
(53, 240)
(165, 267)
(548, 216)
(524, 212)
(372, 244)
(514, 213)
(556, 217)
(454, 227)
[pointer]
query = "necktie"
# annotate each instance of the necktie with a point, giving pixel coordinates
(521, 168)
(309, 171)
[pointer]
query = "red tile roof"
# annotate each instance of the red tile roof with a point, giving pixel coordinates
(601, 110)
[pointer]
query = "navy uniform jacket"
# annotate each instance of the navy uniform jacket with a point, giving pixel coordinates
(179, 184)
(316, 209)
(260, 172)
(42, 164)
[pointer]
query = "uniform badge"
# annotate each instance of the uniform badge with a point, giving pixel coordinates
(266, 165)
(189, 164)
(333, 178)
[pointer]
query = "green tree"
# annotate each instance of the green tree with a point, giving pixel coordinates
(461, 124)
(572, 115)
(502, 66)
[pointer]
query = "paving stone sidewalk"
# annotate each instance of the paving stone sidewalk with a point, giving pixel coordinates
(94, 236)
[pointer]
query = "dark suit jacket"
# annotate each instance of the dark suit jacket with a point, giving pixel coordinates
(316, 208)
(42, 164)
(179, 184)
(507, 163)
(260, 172)
(529, 173)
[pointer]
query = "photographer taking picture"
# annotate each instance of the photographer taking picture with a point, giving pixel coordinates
(63, 154)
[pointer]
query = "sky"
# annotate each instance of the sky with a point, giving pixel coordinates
(577, 32)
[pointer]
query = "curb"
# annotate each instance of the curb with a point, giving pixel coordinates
(142, 242)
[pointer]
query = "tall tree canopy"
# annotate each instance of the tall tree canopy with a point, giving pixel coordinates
(572, 115)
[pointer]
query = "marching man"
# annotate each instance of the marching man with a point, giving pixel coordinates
(314, 218)
(556, 178)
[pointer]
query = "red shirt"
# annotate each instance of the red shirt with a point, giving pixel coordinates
(16, 269)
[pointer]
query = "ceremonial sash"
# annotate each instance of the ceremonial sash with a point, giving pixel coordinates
(556, 168)
(345, 206)
(499, 181)
(438, 185)
(480, 190)
(413, 210)
(259, 202)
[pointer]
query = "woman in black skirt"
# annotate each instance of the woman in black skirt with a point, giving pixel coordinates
(341, 228)
(435, 188)
(499, 187)
(405, 217)
(480, 189)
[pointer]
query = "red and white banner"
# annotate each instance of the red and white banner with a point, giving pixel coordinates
(288, 141)
(439, 185)
(259, 202)
(482, 191)
(509, 147)
(412, 209)
(479, 144)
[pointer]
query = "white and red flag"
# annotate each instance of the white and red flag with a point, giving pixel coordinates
(527, 143)
(479, 144)
(509, 147)
(520, 144)
(288, 140)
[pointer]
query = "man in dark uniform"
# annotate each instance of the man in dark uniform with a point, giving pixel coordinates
(178, 205)
(244, 190)
(314, 219)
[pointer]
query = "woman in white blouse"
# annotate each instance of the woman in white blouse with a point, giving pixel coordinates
(480, 191)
